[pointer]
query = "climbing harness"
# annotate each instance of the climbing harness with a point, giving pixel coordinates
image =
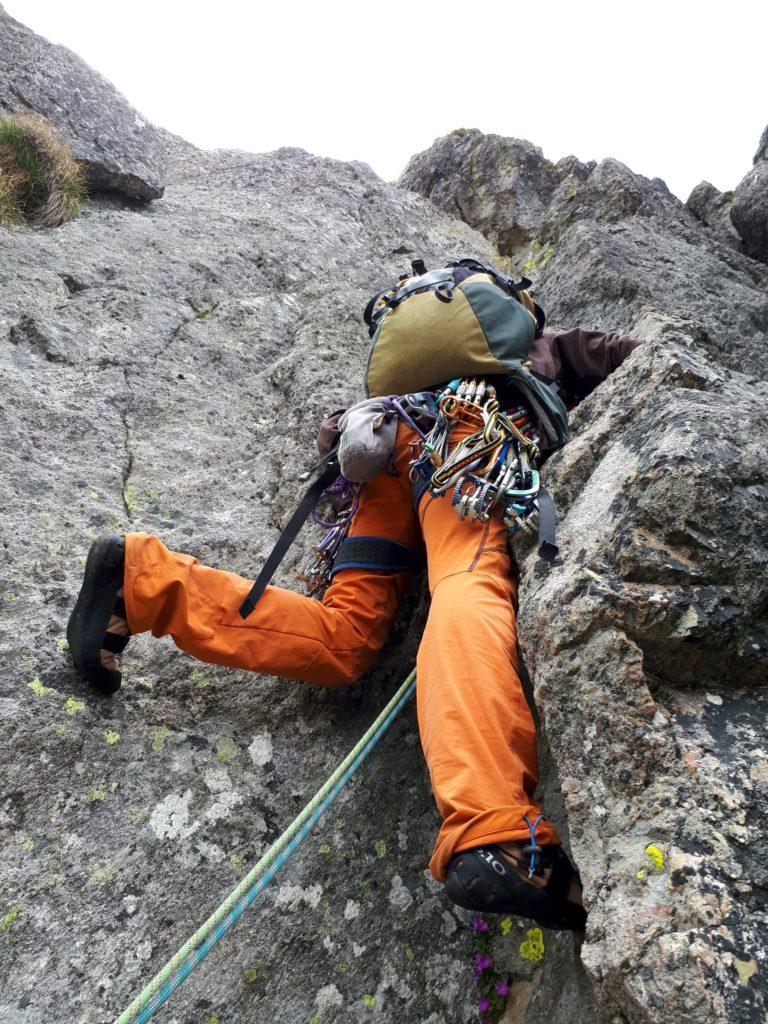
(182, 963)
(495, 466)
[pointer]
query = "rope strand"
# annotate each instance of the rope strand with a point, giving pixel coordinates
(183, 962)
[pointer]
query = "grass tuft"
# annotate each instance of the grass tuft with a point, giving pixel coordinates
(39, 181)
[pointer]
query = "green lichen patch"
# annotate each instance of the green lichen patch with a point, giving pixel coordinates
(199, 679)
(324, 848)
(72, 706)
(227, 751)
(9, 919)
(380, 847)
(654, 861)
(62, 644)
(236, 860)
(103, 876)
(38, 689)
(369, 1000)
(250, 974)
(62, 730)
(27, 844)
(213, 1018)
(159, 737)
(111, 737)
(95, 794)
(532, 948)
(131, 497)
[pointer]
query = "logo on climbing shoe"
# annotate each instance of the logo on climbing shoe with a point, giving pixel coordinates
(489, 858)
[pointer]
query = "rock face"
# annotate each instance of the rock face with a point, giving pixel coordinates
(603, 245)
(119, 150)
(713, 208)
(648, 645)
(750, 206)
(164, 367)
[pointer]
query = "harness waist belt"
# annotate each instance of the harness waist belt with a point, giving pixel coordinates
(377, 554)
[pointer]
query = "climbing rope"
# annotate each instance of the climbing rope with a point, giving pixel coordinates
(182, 963)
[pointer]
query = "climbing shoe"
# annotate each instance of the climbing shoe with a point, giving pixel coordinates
(98, 628)
(483, 879)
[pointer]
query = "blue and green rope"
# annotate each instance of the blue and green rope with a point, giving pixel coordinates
(183, 962)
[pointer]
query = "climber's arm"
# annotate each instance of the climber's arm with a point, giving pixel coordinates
(588, 357)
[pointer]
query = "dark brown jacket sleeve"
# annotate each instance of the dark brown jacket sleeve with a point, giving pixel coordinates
(585, 358)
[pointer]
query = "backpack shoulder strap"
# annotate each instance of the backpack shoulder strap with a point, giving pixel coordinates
(287, 537)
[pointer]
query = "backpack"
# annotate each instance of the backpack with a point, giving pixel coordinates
(464, 320)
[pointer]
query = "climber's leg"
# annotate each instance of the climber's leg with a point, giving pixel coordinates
(330, 642)
(476, 728)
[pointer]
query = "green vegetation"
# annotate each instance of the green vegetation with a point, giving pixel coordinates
(227, 751)
(39, 181)
(159, 737)
(8, 920)
(38, 689)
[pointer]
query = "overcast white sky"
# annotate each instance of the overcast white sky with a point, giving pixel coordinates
(677, 90)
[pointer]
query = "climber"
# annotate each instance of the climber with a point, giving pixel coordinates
(495, 851)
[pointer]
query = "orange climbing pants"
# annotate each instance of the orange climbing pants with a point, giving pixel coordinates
(476, 728)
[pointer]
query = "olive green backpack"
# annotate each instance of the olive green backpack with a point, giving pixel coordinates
(464, 320)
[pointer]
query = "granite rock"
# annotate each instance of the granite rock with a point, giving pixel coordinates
(118, 149)
(750, 205)
(604, 246)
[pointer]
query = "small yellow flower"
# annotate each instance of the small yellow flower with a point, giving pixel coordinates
(655, 856)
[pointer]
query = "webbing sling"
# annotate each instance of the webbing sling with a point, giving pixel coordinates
(288, 536)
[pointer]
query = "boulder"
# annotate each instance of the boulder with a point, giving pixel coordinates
(713, 208)
(750, 205)
(119, 150)
(648, 646)
(475, 176)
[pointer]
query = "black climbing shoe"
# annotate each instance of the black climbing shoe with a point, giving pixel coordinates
(97, 607)
(482, 879)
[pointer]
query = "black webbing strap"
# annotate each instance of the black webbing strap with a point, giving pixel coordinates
(288, 536)
(378, 554)
(547, 526)
(115, 642)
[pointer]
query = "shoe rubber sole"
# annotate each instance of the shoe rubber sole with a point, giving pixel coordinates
(104, 571)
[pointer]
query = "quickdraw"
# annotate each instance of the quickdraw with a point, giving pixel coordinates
(493, 466)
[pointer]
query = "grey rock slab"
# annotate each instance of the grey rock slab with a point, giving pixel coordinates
(117, 147)
(165, 368)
